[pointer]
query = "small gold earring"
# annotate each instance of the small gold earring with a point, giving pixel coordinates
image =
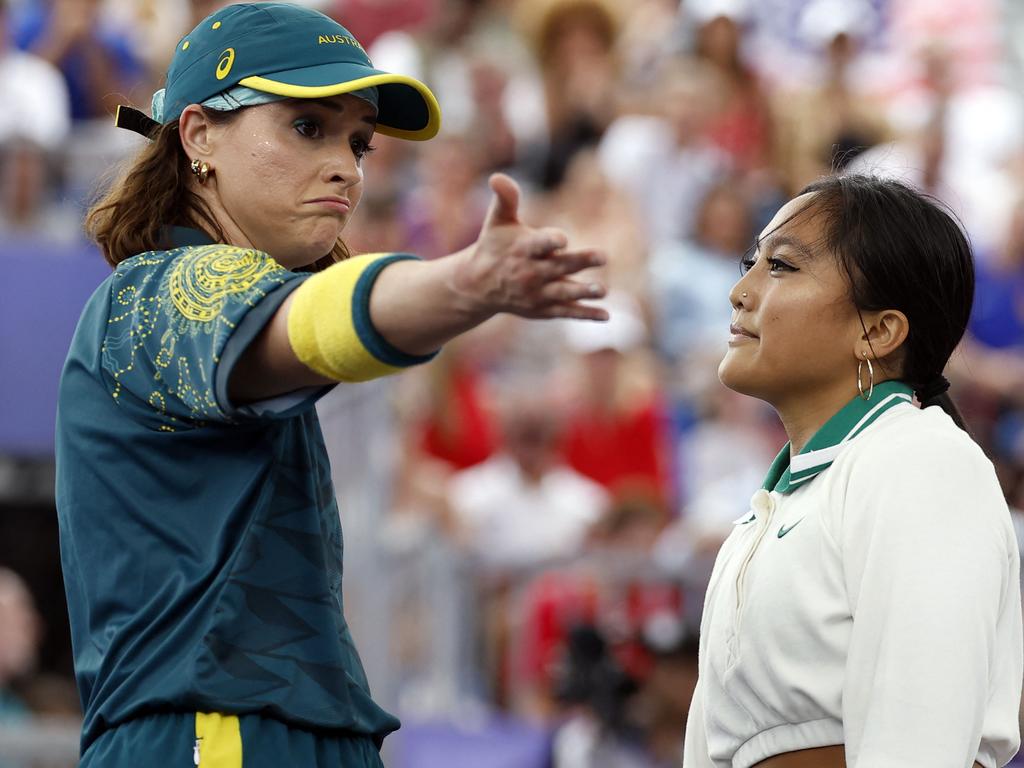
(871, 379)
(201, 170)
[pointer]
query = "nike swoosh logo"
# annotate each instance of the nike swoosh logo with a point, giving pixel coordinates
(783, 530)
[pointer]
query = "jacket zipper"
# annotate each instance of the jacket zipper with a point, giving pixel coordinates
(741, 576)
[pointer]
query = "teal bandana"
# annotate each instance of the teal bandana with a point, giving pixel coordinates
(240, 96)
(821, 450)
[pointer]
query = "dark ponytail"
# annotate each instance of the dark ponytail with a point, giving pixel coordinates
(935, 393)
(904, 250)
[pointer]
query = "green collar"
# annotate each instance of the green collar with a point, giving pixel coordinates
(174, 236)
(821, 450)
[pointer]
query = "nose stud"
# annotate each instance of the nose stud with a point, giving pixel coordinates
(743, 295)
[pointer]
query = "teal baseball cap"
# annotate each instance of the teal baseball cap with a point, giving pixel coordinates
(288, 51)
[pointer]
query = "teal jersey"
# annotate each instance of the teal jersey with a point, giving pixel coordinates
(200, 541)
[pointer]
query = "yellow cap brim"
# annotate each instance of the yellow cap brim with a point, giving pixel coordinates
(386, 123)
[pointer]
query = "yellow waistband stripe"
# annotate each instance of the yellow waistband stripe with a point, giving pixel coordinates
(218, 741)
(329, 326)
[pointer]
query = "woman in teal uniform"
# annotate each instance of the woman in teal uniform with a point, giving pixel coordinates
(200, 535)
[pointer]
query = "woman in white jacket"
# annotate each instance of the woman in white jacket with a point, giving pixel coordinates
(866, 610)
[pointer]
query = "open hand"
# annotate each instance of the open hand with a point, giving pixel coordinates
(524, 270)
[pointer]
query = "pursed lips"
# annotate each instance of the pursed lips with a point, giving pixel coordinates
(336, 204)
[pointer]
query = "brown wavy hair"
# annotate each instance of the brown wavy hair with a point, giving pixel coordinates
(154, 191)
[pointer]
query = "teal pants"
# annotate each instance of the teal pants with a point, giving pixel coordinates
(218, 741)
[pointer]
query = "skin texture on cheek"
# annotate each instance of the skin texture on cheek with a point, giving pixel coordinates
(804, 330)
(277, 180)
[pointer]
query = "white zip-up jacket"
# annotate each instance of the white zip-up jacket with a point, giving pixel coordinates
(871, 599)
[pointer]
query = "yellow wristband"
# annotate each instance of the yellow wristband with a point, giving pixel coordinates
(329, 325)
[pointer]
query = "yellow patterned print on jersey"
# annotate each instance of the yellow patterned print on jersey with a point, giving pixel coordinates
(200, 282)
(171, 314)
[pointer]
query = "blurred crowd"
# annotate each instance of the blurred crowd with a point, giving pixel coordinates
(590, 472)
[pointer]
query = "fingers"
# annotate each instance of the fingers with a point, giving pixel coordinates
(545, 240)
(560, 264)
(574, 311)
(570, 291)
(505, 203)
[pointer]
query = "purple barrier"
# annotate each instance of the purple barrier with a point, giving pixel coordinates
(43, 288)
(499, 743)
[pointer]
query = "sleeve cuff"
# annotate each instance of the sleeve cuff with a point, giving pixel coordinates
(247, 330)
(370, 337)
(329, 324)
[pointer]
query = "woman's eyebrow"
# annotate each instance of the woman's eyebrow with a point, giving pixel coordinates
(337, 106)
(772, 242)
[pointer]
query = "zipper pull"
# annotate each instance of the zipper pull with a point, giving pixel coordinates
(195, 753)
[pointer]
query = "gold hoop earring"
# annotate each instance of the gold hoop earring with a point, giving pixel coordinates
(201, 170)
(871, 379)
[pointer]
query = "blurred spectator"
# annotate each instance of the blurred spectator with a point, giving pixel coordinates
(523, 507)
(598, 735)
(449, 422)
(520, 510)
(743, 125)
(163, 23)
(821, 129)
(625, 669)
(652, 34)
(1014, 26)
(98, 61)
(990, 364)
(489, 87)
(663, 700)
(619, 721)
(971, 30)
(199, 10)
(444, 213)
(723, 456)
(392, 166)
(596, 214)
(956, 140)
(921, 156)
(612, 588)
(34, 95)
(575, 47)
(997, 319)
(20, 635)
(616, 425)
(367, 20)
(33, 127)
(458, 426)
(484, 74)
(665, 161)
(380, 226)
(690, 280)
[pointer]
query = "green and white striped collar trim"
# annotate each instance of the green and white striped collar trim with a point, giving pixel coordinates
(828, 442)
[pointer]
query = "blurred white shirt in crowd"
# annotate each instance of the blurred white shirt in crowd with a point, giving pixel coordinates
(642, 156)
(35, 100)
(512, 523)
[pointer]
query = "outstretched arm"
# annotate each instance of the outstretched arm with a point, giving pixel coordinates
(418, 306)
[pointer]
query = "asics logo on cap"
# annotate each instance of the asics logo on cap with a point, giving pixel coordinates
(227, 60)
